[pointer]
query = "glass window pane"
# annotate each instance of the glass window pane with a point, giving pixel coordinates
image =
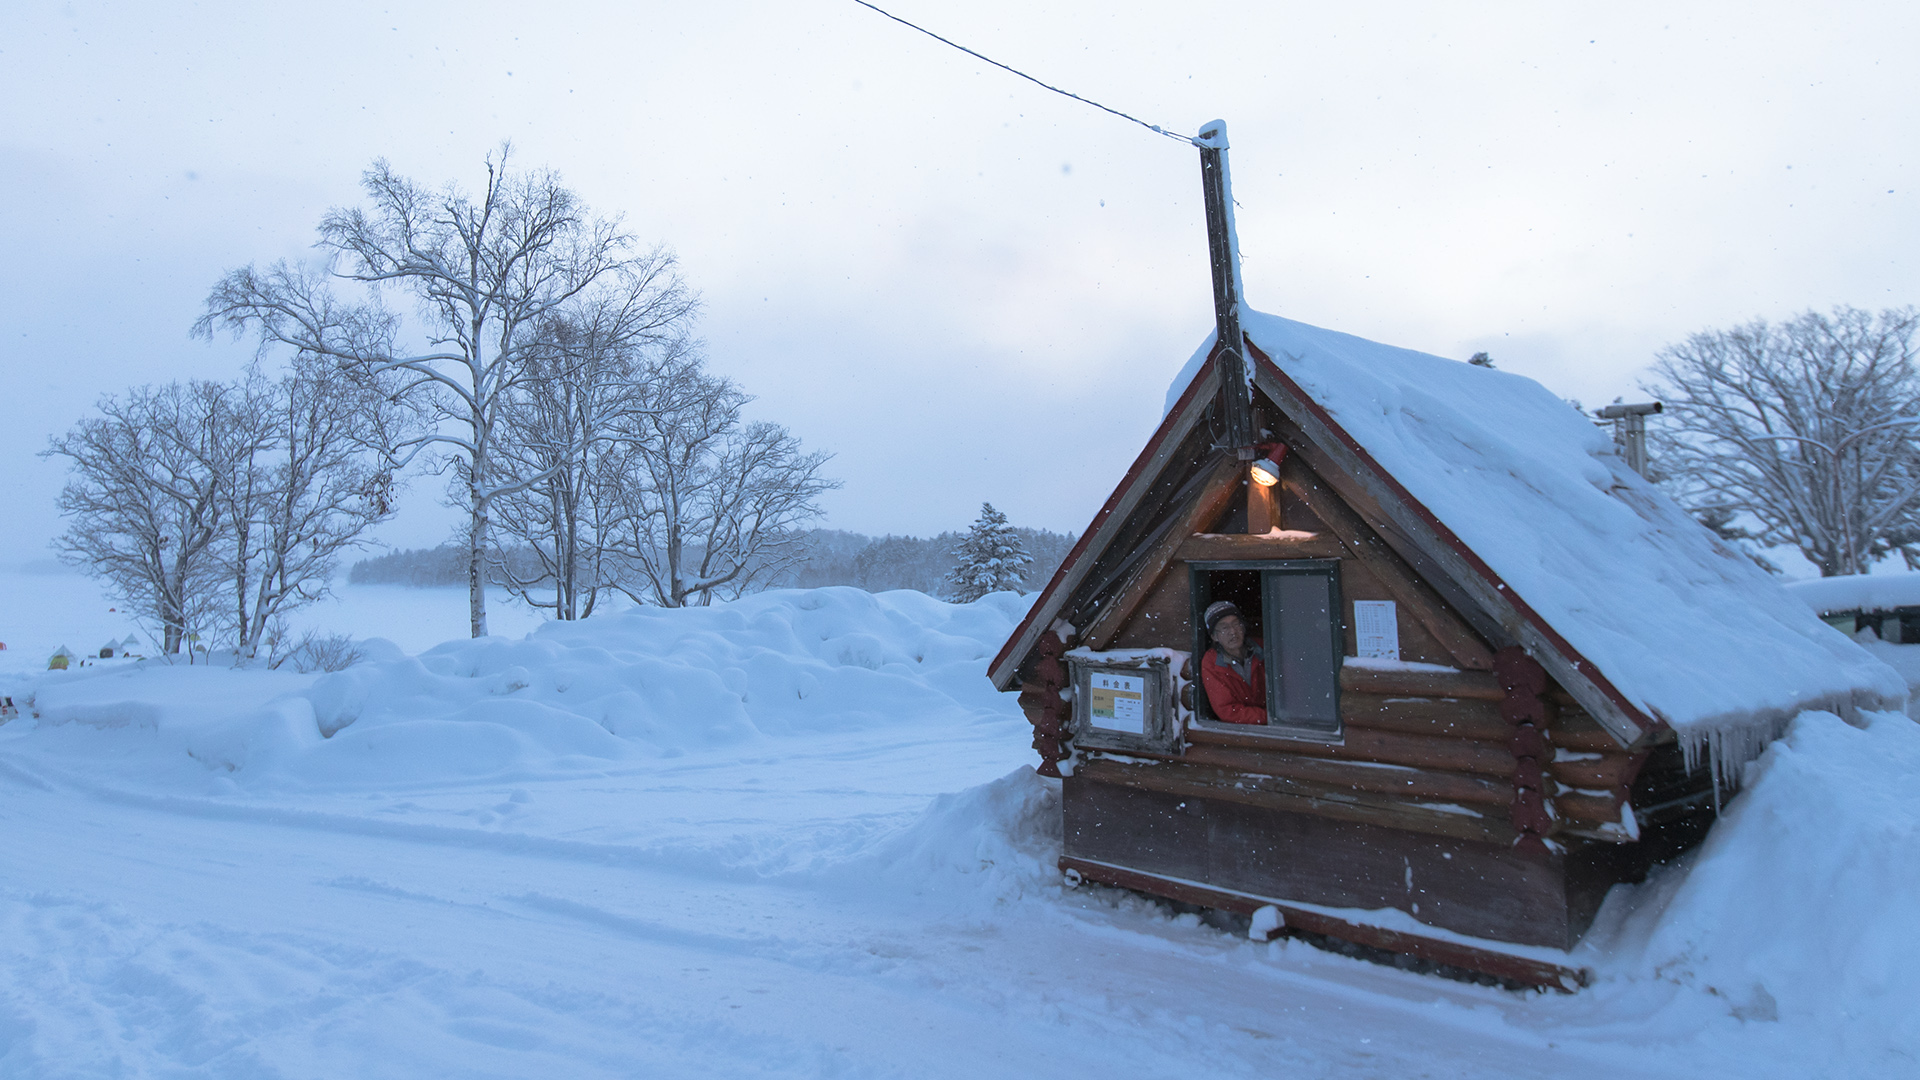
(1303, 661)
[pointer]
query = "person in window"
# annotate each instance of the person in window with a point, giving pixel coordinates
(1232, 672)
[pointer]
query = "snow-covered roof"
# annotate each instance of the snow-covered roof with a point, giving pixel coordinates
(1859, 592)
(1683, 627)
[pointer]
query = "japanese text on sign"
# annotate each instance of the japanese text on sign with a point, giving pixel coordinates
(1376, 629)
(1119, 702)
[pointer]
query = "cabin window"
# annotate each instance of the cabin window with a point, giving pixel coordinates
(1900, 626)
(1292, 607)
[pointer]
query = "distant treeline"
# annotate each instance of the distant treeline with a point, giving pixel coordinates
(826, 557)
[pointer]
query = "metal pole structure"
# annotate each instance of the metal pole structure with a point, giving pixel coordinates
(1223, 251)
(1630, 430)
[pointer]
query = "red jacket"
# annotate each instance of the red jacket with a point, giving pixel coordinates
(1234, 699)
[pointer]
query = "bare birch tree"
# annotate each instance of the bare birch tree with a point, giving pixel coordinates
(564, 432)
(316, 475)
(485, 272)
(556, 431)
(711, 502)
(144, 500)
(213, 508)
(1799, 433)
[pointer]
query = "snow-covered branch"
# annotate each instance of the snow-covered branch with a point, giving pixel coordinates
(1799, 433)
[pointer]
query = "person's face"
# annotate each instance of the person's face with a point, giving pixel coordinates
(1230, 634)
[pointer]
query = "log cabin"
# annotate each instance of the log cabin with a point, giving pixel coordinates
(1503, 671)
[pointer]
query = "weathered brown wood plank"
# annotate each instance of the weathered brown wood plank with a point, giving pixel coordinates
(1209, 547)
(1575, 730)
(1387, 747)
(1606, 772)
(1262, 512)
(1425, 605)
(1588, 742)
(1164, 618)
(1296, 796)
(1501, 965)
(1461, 718)
(1218, 490)
(1399, 682)
(1406, 782)
(1592, 809)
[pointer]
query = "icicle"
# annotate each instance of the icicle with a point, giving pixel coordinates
(1729, 748)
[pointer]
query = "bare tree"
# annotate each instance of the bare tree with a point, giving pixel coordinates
(186, 493)
(486, 271)
(766, 486)
(1799, 433)
(566, 432)
(315, 476)
(241, 486)
(556, 431)
(144, 499)
(711, 502)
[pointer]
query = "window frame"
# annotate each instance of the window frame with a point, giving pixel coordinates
(1162, 726)
(1276, 727)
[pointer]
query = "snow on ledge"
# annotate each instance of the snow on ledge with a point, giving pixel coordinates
(1377, 663)
(1859, 592)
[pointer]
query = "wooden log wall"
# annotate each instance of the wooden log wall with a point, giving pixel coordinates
(1524, 706)
(1429, 751)
(1418, 602)
(1592, 778)
(1485, 749)
(1047, 711)
(1431, 764)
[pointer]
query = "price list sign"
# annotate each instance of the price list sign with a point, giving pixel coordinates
(1119, 703)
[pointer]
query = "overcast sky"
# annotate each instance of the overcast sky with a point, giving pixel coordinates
(964, 287)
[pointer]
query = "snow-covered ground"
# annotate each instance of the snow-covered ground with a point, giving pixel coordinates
(797, 836)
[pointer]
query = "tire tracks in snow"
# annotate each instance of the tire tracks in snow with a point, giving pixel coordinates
(706, 863)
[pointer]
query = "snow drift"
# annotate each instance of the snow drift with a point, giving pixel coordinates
(798, 744)
(629, 687)
(1800, 906)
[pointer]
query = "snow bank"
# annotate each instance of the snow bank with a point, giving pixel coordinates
(166, 724)
(1800, 907)
(1689, 630)
(1859, 592)
(633, 686)
(995, 842)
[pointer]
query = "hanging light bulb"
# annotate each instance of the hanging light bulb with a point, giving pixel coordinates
(1266, 471)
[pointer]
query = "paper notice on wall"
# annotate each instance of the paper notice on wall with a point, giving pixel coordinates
(1376, 629)
(1119, 702)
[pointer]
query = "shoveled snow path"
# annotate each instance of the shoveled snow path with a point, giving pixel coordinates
(638, 925)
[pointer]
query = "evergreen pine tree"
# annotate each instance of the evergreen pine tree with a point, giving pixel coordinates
(990, 558)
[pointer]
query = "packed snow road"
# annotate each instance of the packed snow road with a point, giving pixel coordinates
(795, 836)
(164, 935)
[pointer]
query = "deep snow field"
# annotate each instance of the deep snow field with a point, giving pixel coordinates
(796, 835)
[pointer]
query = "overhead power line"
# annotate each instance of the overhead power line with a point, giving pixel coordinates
(1155, 128)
